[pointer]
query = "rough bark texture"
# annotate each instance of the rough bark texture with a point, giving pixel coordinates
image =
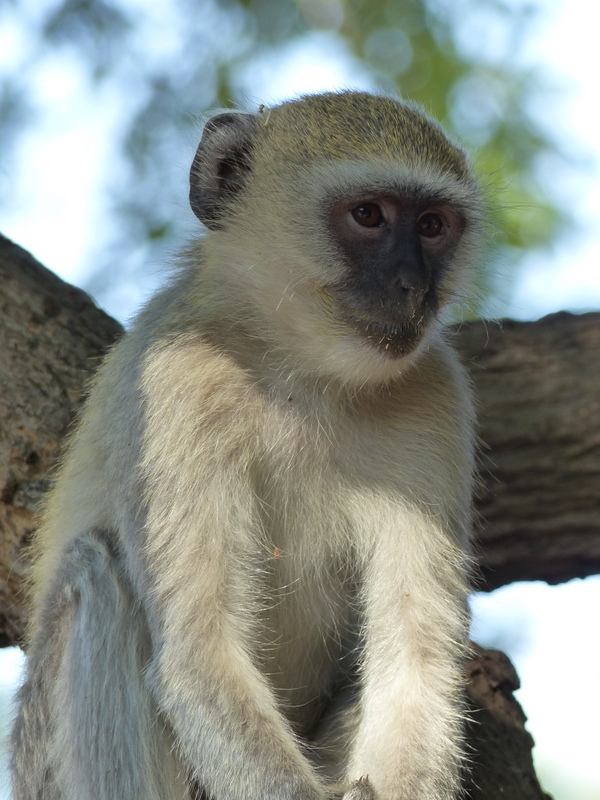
(538, 385)
(539, 391)
(51, 339)
(501, 763)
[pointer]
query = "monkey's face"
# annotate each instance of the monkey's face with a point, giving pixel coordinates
(347, 223)
(395, 248)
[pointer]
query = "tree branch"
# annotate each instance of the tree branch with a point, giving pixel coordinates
(538, 385)
(51, 339)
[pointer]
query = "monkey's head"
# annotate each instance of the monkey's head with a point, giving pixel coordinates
(346, 223)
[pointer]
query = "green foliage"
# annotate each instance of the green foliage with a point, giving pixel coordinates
(180, 58)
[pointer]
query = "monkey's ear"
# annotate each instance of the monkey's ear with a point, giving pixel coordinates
(221, 165)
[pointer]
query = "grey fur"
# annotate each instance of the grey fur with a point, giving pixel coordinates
(253, 568)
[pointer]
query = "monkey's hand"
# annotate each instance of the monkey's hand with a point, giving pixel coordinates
(360, 790)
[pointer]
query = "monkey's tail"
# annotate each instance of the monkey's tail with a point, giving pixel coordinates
(87, 727)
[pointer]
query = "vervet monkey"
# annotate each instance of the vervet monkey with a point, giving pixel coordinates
(251, 579)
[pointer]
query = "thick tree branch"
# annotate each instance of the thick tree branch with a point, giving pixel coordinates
(501, 763)
(538, 385)
(51, 339)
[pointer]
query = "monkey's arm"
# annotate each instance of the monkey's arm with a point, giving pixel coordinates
(409, 735)
(234, 740)
(201, 543)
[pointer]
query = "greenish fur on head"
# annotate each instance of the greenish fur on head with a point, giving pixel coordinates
(306, 148)
(350, 125)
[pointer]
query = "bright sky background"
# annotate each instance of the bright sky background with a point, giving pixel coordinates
(58, 214)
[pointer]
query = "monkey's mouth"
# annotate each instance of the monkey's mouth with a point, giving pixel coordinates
(394, 339)
(382, 325)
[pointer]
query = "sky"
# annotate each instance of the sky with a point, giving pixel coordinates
(550, 632)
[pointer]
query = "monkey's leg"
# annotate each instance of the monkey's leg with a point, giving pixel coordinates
(88, 728)
(409, 737)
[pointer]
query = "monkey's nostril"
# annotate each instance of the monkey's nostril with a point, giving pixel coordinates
(403, 290)
(400, 285)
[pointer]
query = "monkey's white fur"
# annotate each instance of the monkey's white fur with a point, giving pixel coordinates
(252, 571)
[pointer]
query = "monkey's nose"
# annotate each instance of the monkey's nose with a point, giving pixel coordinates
(407, 293)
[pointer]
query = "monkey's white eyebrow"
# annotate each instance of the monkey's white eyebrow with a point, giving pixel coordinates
(359, 178)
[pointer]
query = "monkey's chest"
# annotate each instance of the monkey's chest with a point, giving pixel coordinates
(308, 631)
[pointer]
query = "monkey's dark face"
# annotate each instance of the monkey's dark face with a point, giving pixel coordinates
(395, 249)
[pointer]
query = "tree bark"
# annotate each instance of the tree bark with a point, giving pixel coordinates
(51, 339)
(539, 393)
(538, 385)
(500, 747)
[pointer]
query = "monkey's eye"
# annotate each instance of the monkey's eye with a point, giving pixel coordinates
(369, 215)
(429, 225)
